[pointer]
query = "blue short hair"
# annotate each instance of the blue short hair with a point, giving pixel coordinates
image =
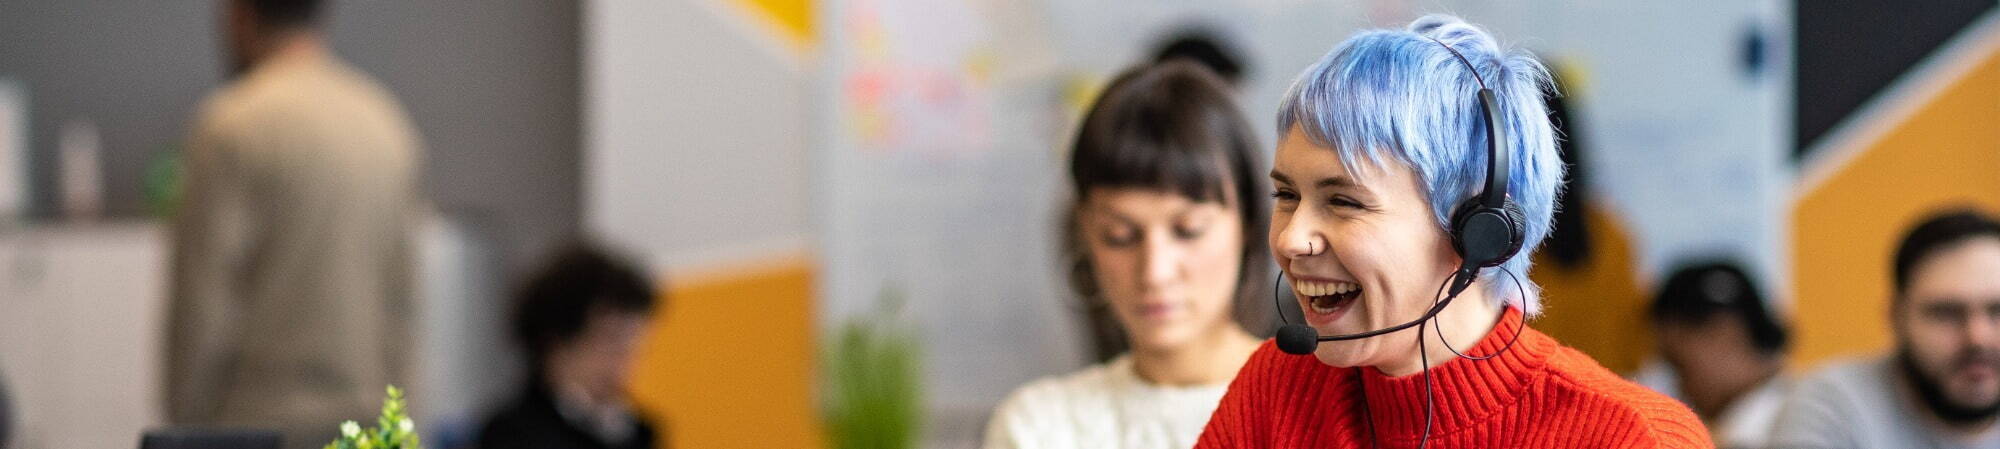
(1401, 94)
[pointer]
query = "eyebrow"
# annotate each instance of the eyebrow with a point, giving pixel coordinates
(1334, 181)
(1114, 214)
(1959, 301)
(1120, 216)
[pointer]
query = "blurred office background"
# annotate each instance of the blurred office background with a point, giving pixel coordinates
(785, 164)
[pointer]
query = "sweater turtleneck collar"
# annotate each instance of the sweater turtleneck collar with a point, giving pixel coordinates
(1464, 391)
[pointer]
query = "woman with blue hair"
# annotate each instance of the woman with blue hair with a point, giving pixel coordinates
(1383, 227)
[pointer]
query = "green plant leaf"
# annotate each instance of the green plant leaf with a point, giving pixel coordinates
(872, 398)
(393, 429)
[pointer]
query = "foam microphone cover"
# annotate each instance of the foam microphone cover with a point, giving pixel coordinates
(1297, 339)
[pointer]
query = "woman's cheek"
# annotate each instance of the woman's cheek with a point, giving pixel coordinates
(1217, 265)
(1113, 269)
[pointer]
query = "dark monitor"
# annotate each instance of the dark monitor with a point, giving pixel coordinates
(197, 438)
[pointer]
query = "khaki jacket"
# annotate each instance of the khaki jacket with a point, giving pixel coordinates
(291, 291)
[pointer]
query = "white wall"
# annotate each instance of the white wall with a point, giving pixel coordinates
(695, 133)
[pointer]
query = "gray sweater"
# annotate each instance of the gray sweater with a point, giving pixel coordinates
(1864, 404)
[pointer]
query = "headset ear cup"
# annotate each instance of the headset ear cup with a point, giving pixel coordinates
(1486, 237)
(1516, 235)
(1458, 218)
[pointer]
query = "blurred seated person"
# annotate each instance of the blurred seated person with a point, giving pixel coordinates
(1725, 348)
(1165, 238)
(581, 318)
(1941, 386)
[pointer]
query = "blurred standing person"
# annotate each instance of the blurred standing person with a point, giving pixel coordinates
(1941, 387)
(581, 319)
(291, 285)
(1726, 350)
(1165, 236)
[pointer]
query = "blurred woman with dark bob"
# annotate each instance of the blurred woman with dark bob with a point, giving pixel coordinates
(1165, 238)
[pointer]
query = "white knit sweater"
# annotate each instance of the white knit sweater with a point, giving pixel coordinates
(1103, 406)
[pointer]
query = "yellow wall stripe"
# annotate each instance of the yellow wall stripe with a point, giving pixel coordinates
(791, 19)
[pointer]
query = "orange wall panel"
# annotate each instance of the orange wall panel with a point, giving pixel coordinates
(729, 362)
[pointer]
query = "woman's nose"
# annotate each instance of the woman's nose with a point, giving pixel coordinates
(1161, 262)
(1296, 241)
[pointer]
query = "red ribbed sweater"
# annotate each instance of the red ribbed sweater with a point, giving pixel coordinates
(1540, 394)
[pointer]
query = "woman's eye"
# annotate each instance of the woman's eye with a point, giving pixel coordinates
(1119, 238)
(1341, 201)
(1188, 232)
(1282, 195)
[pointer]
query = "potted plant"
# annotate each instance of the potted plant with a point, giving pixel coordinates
(393, 430)
(873, 396)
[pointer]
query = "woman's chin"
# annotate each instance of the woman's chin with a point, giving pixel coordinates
(1165, 339)
(1340, 354)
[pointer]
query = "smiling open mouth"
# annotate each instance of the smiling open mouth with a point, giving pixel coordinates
(1327, 298)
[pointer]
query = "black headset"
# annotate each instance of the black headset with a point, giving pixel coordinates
(1486, 230)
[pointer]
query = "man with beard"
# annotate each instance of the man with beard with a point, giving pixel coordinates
(1941, 388)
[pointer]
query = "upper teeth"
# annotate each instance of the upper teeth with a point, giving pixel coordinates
(1314, 288)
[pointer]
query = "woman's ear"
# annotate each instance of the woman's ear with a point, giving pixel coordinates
(1449, 250)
